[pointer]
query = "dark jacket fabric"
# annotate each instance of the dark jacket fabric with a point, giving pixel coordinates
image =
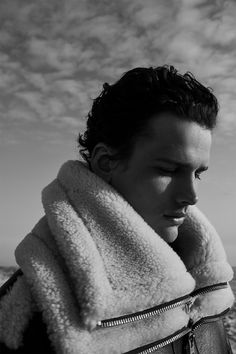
(35, 340)
(35, 337)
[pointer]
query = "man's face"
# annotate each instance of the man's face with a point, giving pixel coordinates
(162, 174)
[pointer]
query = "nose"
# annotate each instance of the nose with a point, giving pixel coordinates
(187, 194)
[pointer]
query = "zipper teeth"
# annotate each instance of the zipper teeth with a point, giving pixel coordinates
(164, 343)
(186, 330)
(154, 347)
(209, 288)
(209, 318)
(140, 316)
(187, 300)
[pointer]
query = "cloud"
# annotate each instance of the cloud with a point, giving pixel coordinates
(55, 56)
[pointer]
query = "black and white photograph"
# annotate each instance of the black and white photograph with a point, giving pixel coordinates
(118, 176)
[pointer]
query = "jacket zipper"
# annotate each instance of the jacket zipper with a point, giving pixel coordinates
(191, 342)
(209, 288)
(150, 348)
(153, 311)
(186, 301)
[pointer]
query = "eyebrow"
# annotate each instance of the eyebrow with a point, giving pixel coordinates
(183, 164)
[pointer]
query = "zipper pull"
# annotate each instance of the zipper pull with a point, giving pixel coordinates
(188, 305)
(191, 343)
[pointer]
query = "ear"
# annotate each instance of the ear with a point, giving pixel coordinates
(101, 162)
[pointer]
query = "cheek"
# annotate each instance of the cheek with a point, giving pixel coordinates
(144, 193)
(153, 193)
(152, 200)
(150, 187)
(160, 184)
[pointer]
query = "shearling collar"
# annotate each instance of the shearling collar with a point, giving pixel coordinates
(93, 257)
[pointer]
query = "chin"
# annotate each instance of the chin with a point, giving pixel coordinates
(169, 234)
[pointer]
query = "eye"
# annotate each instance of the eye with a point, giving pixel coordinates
(165, 171)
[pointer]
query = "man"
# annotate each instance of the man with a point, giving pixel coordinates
(162, 123)
(122, 261)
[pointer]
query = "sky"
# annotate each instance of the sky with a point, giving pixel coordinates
(54, 58)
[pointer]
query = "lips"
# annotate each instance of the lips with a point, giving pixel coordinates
(175, 218)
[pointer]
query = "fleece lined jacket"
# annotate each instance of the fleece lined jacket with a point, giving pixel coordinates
(93, 257)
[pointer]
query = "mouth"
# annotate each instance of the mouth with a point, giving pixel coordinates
(175, 218)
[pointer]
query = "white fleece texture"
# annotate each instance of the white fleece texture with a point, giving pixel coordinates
(92, 257)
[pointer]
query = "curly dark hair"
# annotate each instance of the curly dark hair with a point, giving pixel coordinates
(119, 115)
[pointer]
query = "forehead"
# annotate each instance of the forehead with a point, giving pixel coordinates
(168, 136)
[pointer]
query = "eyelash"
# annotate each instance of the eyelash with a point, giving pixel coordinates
(197, 176)
(169, 172)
